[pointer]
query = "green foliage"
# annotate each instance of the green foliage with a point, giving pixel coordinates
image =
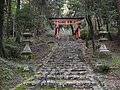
(115, 65)
(19, 69)
(6, 75)
(24, 74)
(104, 55)
(13, 7)
(102, 68)
(12, 48)
(115, 61)
(84, 34)
(25, 17)
(56, 88)
(22, 87)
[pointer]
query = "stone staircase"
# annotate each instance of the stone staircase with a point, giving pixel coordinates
(68, 69)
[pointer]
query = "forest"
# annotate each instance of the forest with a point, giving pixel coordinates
(28, 43)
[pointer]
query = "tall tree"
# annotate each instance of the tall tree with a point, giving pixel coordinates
(91, 31)
(9, 21)
(1, 27)
(18, 29)
(89, 14)
(118, 8)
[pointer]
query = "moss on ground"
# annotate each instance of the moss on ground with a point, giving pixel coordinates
(55, 88)
(114, 64)
(25, 75)
(22, 87)
(6, 75)
(104, 55)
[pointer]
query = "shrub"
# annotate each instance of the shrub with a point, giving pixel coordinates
(84, 34)
(102, 68)
(12, 48)
(104, 55)
(22, 87)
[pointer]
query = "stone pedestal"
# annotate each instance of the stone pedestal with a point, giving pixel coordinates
(26, 51)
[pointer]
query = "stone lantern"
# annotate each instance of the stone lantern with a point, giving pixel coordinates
(27, 40)
(104, 55)
(103, 38)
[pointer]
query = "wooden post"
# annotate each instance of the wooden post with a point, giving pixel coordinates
(78, 32)
(57, 29)
(57, 33)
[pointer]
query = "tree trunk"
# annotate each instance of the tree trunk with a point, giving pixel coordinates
(13, 27)
(17, 26)
(118, 27)
(1, 27)
(86, 42)
(9, 19)
(95, 24)
(88, 18)
(118, 8)
(98, 24)
(109, 35)
(72, 29)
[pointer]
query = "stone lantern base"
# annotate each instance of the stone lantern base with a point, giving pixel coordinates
(104, 49)
(103, 55)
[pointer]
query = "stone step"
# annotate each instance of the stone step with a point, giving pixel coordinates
(63, 72)
(62, 77)
(70, 63)
(84, 88)
(77, 83)
(65, 63)
(68, 77)
(78, 73)
(71, 69)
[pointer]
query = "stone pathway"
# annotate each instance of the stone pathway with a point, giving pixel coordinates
(66, 67)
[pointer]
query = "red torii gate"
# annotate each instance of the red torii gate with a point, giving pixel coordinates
(67, 21)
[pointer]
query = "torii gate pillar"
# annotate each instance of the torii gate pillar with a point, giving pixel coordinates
(57, 30)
